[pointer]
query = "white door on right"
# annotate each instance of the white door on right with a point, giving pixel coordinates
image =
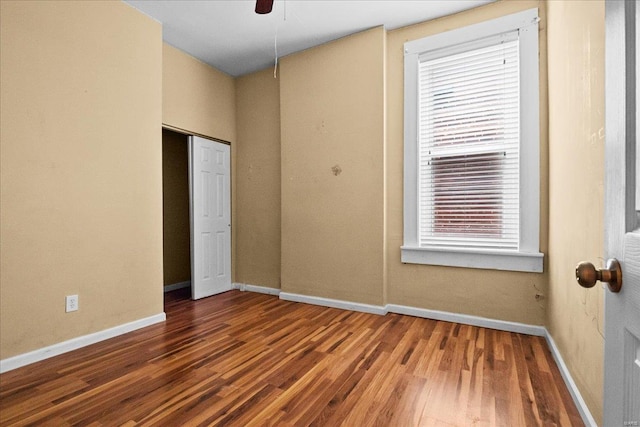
(210, 190)
(622, 214)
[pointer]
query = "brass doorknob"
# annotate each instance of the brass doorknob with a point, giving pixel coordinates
(587, 275)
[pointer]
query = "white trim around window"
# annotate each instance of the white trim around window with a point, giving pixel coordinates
(525, 256)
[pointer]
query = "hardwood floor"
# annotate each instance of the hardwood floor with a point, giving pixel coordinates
(249, 359)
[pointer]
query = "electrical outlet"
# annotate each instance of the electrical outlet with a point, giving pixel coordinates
(72, 303)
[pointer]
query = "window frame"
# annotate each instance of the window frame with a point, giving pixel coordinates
(527, 257)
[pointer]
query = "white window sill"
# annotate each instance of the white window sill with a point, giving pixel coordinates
(470, 258)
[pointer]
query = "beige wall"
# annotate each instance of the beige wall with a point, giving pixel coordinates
(576, 153)
(175, 204)
(501, 295)
(257, 177)
(331, 230)
(332, 115)
(196, 97)
(81, 178)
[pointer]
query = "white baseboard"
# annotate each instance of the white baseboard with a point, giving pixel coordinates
(176, 286)
(75, 343)
(587, 418)
(334, 303)
(255, 288)
(465, 319)
(483, 322)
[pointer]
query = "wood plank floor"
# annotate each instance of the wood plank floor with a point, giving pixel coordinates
(249, 359)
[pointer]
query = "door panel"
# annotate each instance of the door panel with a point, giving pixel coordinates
(622, 232)
(631, 324)
(210, 217)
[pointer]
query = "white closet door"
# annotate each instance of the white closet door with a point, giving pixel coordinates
(210, 191)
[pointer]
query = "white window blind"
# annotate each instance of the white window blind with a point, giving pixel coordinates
(468, 146)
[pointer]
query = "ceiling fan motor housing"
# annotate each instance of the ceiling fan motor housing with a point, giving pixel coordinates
(264, 6)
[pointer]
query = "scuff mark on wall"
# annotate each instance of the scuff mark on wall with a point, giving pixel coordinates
(539, 296)
(337, 170)
(321, 127)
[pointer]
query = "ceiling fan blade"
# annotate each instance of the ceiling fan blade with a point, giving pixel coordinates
(264, 6)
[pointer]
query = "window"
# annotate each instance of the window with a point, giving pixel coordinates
(471, 185)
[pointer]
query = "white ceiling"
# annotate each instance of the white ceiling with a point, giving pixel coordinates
(231, 37)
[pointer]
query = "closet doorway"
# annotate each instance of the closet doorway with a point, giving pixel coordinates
(196, 215)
